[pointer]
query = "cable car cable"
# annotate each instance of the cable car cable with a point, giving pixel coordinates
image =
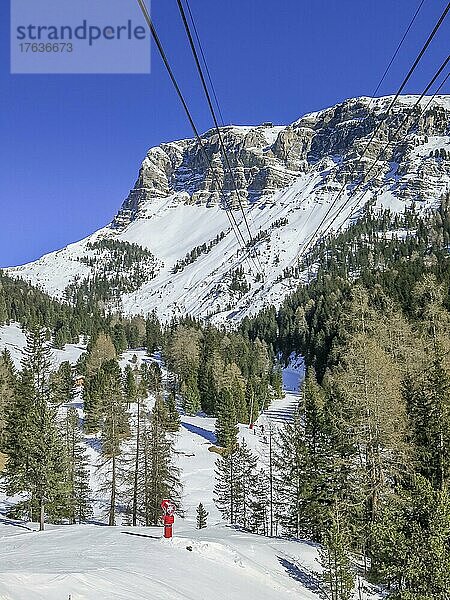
(213, 114)
(158, 43)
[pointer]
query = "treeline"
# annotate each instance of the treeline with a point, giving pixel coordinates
(20, 302)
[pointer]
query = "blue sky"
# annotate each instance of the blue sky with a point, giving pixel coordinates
(71, 145)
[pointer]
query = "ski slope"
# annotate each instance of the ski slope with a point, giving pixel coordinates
(96, 562)
(87, 562)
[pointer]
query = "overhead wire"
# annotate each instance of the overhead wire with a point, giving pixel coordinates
(386, 146)
(154, 33)
(378, 127)
(214, 117)
(197, 37)
(397, 50)
(412, 126)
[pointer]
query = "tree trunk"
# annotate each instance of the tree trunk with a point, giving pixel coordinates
(136, 465)
(112, 506)
(41, 515)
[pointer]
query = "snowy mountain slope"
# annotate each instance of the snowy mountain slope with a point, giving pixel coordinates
(287, 179)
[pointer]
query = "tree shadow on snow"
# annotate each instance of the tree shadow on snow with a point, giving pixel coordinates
(309, 580)
(204, 433)
(14, 523)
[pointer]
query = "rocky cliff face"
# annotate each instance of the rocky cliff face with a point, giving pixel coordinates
(266, 159)
(287, 179)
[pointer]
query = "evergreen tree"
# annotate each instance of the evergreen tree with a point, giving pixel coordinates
(429, 407)
(80, 509)
(245, 483)
(226, 422)
(36, 459)
(158, 476)
(114, 427)
(338, 576)
(61, 383)
(191, 396)
(173, 416)
(153, 335)
(130, 385)
(7, 390)
(225, 489)
(290, 463)
(259, 521)
(411, 552)
(234, 487)
(202, 516)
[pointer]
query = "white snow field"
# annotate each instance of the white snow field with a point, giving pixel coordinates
(88, 562)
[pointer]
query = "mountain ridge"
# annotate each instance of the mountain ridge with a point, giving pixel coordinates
(287, 178)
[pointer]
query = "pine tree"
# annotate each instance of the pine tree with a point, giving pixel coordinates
(37, 462)
(78, 469)
(290, 458)
(191, 396)
(7, 390)
(130, 385)
(226, 422)
(173, 416)
(225, 489)
(158, 476)
(234, 487)
(411, 551)
(430, 412)
(153, 335)
(245, 483)
(338, 576)
(114, 427)
(202, 516)
(259, 521)
(61, 383)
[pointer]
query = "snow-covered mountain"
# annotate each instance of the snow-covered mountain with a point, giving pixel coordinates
(287, 179)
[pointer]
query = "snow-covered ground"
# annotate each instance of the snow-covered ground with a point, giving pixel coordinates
(87, 562)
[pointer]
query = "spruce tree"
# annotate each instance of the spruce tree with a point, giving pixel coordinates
(226, 422)
(61, 383)
(225, 489)
(114, 427)
(36, 460)
(173, 416)
(338, 576)
(235, 482)
(79, 491)
(158, 476)
(411, 550)
(202, 516)
(7, 390)
(191, 396)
